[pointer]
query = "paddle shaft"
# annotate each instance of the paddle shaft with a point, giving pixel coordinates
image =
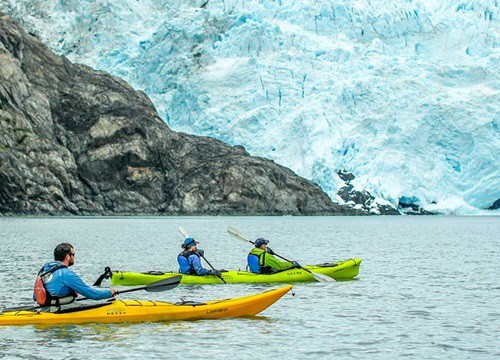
(281, 257)
(237, 234)
(170, 283)
(130, 290)
(219, 276)
(303, 268)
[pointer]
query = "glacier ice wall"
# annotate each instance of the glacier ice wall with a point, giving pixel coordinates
(403, 94)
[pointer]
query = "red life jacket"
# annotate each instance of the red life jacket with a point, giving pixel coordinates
(42, 296)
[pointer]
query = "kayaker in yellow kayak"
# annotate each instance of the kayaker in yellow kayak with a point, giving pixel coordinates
(261, 259)
(190, 260)
(57, 285)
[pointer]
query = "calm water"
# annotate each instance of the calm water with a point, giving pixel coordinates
(428, 287)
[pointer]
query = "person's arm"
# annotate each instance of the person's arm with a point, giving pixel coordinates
(196, 263)
(277, 264)
(74, 282)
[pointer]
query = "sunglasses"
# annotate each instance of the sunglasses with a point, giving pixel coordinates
(72, 254)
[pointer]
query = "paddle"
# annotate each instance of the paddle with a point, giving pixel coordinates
(105, 275)
(238, 235)
(185, 235)
(157, 286)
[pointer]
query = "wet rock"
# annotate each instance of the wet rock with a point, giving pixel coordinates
(412, 209)
(495, 206)
(346, 176)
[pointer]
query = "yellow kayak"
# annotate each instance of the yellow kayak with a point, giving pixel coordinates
(134, 311)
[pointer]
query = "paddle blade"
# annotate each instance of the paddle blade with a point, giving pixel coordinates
(106, 275)
(322, 278)
(236, 234)
(164, 285)
(183, 233)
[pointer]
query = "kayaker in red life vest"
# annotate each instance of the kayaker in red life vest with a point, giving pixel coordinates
(189, 260)
(261, 259)
(58, 285)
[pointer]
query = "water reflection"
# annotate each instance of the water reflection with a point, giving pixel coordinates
(93, 332)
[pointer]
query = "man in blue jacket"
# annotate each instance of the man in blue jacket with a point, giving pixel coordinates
(62, 284)
(189, 260)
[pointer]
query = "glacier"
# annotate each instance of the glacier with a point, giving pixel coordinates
(405, 95)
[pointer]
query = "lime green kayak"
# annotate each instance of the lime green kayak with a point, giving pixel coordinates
(341, 270)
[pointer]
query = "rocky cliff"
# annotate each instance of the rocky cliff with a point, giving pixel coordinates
(78, 141)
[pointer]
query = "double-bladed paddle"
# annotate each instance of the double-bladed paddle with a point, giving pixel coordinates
(157, 286)
(185, 235)
(238, 235)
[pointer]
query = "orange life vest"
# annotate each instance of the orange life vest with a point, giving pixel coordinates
(42, 296)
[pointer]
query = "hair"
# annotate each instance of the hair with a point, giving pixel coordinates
(61, 251)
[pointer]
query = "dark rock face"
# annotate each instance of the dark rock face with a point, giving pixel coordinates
(345, 176)
(362, 198)
(359, 197)
(495, 206)
(78, 141)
